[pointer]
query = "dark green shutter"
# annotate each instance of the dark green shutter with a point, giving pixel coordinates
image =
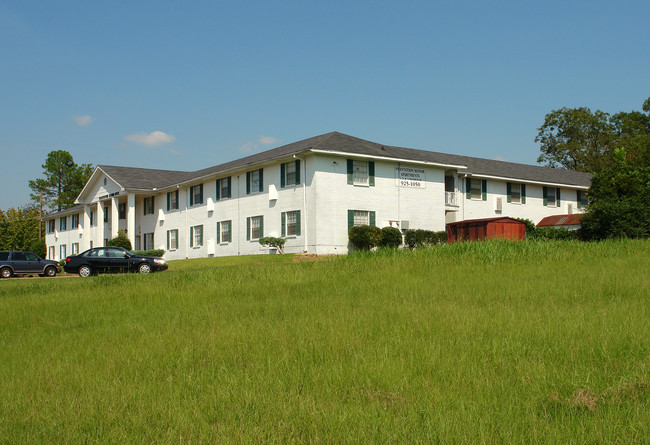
(248, 229)
(230, 231)
(545, 195)
(144, 207)
(191, 196)
(509, 191)
(248, 183)
(200, 194)
(218, 232)
(261, 226)
(298, 223)
(350, 171)
(191, 236)
(201, 237)
(468, 188)
(484, 189)
(283, 220)
(371, 173)
(168, 246)
(523, 193)
(297, 171)
(557, 197)
(579, 198)
(168, 207)
(229, 187)
(283, 169)
(350, 219)
(261, 189)
(218, 182)
(372, 219)
(153, 205)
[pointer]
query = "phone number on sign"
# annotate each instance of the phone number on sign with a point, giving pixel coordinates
(405, 183)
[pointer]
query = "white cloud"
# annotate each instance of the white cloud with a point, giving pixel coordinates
(152, 139)
(83, 120)
(267, 140)
(255, 145)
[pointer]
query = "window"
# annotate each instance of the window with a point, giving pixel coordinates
(51, 226)
(52, 251)
(62, 251)
(196, 236)
(291, 223)
(516, 193)
(551, 196)
(196, 195)
(254, 181)
(172, 239)
(361, 172)
(121, 210)
(75, 221)
(254, 227)
(582, 198)
(105, 214)
(148, 241)
(223, 188)
(75, 248)
(172, 200)
(148, 205)
(476, 188)
(361, 218)
(224, 232)
(290, 173)
(92, 218)
(62, 223)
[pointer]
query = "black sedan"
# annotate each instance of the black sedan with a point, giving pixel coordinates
(25, 263)
(111, 259)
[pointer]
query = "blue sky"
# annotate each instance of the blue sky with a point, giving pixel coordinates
(186, 85)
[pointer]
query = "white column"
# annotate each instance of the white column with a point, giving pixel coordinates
(130, 218)
(99, 236)
(87, 230)
(115, 216)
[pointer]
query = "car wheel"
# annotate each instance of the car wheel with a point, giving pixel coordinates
(85, 271)
(6, 273)
(50, 271)
(144, 268)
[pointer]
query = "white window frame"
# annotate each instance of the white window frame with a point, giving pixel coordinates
(51, 226)
(196, 236)
(256, 225)
(75, 221)
(52, 252)
(289, 174)
(473, 189)
(172, 239)
(361, 218)
(148, 205)
(63, 223)
(148, 239)
(62, 251)
(551, 194)
(514, 193)
(222, 184)
(196, 191)
(75, 248)
(291, 223)
(255, 181)
(221, 239)
(360, 173)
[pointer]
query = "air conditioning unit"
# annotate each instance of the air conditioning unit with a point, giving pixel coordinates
(498, 204)
(404, 224)
(570, 206)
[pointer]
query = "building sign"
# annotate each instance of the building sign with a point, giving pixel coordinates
(412, 177)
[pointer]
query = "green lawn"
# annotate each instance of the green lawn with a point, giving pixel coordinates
(498, 342)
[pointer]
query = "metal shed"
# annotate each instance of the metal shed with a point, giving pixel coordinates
(487, 228)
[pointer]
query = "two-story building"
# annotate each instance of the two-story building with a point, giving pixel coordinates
(309, 192)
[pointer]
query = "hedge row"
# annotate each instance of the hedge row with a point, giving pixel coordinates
(421, 238)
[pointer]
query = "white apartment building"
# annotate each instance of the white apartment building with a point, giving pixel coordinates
(309, 192)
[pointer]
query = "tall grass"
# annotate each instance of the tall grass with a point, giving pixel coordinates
(466, 343)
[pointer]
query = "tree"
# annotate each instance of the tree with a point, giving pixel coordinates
(619, 200)
(63, 181)
(19, 228)
(582, 140)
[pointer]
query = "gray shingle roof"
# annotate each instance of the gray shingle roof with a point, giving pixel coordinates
(147, 179)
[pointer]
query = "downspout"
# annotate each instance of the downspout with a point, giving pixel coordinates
(238, 218)
(187, 229)
(304, 199)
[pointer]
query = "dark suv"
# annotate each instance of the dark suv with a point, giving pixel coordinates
(25, 263)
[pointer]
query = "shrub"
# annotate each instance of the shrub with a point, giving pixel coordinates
(272, 241)
(151, 252)
(121, 240)
(364, 237)
(38, 247)
(531, 228)
(555, 233)
(415, 238)
(390, 237)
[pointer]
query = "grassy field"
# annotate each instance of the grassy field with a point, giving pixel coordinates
(496, 342)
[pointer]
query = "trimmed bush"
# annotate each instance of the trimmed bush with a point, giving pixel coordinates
(390, 237)
(364, 237)
(151, 252)
(555, 233)
(415, 238)
(39, 248)
(272, 241)
(121, 240)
